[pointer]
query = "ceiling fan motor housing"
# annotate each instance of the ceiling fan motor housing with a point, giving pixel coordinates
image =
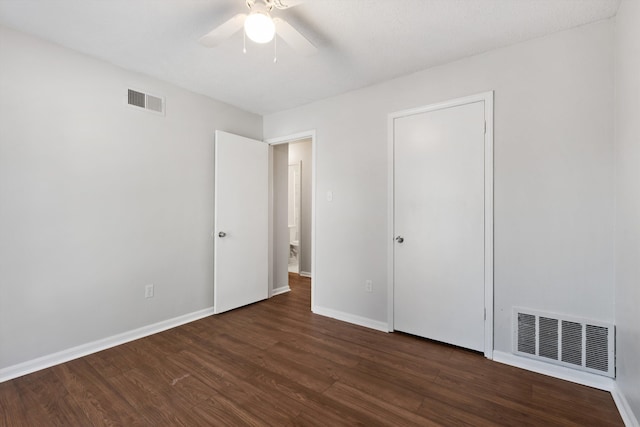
(269, 4)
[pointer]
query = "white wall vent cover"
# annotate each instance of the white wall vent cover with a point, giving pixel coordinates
(563, 340)
(146, 101)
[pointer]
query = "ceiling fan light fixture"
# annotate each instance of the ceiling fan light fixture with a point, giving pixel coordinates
(259, 27)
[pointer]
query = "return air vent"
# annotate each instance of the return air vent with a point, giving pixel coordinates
(563, 340)
(148, 102)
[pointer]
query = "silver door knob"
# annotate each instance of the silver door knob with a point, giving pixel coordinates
(222, 234)
(399, 239)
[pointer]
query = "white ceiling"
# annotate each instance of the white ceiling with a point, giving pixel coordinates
(360, 42)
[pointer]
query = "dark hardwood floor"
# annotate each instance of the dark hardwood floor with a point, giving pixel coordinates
(276, 363)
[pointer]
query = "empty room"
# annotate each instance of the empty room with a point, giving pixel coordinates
(320, 212)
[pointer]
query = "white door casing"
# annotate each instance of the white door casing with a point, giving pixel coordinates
(441, 176)
(241, 240)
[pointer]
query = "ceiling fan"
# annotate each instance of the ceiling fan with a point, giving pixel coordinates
(260, 27)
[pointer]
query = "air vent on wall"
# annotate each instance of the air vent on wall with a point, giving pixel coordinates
(148, 102)
(564, 340)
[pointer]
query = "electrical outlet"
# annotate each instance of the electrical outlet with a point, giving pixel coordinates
(148, 291)
(368, 285)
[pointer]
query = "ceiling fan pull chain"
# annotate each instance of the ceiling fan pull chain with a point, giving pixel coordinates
(275, 49)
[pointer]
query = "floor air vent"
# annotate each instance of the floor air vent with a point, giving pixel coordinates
(566, 341)
(148, 102)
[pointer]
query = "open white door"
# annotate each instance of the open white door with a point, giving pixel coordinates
(241, 221)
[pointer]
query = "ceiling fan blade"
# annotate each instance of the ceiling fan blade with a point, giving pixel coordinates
(223, 32)
(293, 38)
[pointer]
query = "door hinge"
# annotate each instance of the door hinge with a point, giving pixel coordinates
(485, 127)
(485, 313)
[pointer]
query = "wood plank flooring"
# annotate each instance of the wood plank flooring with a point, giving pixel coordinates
(276, 363)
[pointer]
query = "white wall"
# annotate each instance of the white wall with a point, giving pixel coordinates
(98, 199)
(553, 176)
(627, 192)
(300, 151)
(280, 216)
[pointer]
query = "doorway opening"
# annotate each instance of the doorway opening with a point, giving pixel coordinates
(292, 210)
(299, 207)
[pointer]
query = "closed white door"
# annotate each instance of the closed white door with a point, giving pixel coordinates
(439, 223)
(241, 221)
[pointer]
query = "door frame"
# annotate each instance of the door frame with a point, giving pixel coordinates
(487, 98)
(310, 134)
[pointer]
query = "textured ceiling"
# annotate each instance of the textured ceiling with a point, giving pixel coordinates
(360, 42)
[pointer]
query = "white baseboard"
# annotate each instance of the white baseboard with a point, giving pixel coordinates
(624, 408)
(305, 274)
(63, 356)
(280, 290)
(351, 318)
(561, 372)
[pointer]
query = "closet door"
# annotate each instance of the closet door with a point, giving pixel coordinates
(439, 252)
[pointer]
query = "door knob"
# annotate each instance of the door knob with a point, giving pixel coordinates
(222, 234)
(399, 239)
